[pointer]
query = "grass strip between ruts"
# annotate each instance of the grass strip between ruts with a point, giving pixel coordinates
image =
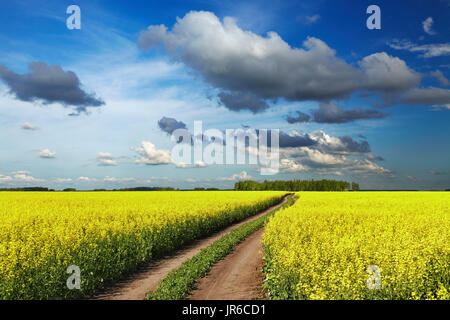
(179, 283)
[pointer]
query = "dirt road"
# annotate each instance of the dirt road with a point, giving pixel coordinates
(136, 286)
(237, 277)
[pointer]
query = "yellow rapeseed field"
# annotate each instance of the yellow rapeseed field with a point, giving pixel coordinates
(360, 245)
(105, 234)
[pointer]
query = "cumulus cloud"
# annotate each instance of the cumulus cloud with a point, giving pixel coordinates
(49, 84)
(427, 26)
(169, 125)
(332, 113)
(237, 101)
(106, 159)
(197, 164)
(367, 166)
(4, 178)
(237, 60)
(19, 176)
(86, 179)
(290, 166)
(249, 68)
(24, 176)
(332, 155)
(338, 145)
(388, 74)
(29, 126)
(47, 154)
(151, 155)
(235, 177)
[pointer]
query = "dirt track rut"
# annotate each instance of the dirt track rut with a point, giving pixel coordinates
(137, 285)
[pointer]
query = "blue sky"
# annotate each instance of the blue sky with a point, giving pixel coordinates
(374, 103)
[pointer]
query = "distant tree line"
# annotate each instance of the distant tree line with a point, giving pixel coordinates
(27, 189)
(146, 189)
(297, 185)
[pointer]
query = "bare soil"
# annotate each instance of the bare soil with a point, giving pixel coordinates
(237, 277)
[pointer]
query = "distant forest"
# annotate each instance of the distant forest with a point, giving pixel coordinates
(297, 185)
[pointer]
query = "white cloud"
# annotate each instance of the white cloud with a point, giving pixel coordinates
(113, 179)
(153, 156)
(25, 177)
(367, 166)
(321, 158)
(106, 159)
(241, 63)
(4, 178)
(388, 74)
(198, 164)
(28, 126)
(62, 180)
(427, 50)
(427, 25)
(290, 166)
(331, 155)
(235, 59)
(47, 154)
(86, 179)
(238, 176)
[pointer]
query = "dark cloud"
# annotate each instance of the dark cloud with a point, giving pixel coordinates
(49, 84)
(332, 113)
(338, 145)
(420, 96)
(237, 101)
(269, 68)
(293, 141)
(299, 118)
(352, 146)
(169, 125)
